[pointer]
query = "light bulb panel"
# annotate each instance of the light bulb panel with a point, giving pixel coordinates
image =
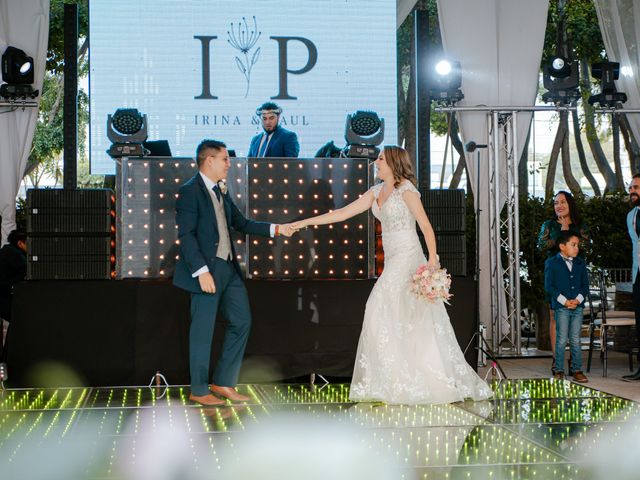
(272, 190)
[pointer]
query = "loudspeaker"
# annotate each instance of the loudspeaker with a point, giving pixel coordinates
(446, 209)
(70, 212)
(447, 212)
(452, 250)
(70, 234)
(70, 258)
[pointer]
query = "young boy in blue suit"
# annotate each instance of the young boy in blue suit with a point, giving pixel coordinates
(567, 284)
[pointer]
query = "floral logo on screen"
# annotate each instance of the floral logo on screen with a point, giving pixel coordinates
(243, 39)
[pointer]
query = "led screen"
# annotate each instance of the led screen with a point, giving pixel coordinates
(198, 69)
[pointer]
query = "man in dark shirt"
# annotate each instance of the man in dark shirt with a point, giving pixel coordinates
(13, 268)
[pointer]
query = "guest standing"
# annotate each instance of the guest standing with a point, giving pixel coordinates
(633, 227)
(566, 218)
(567, 284)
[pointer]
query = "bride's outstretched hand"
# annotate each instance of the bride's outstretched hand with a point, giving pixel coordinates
(297, 226)
(434, 261)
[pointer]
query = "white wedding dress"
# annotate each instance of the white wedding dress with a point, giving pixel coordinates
(408, 352)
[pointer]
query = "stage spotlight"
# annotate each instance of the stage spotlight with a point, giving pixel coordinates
(17, 67)
(443, 67)
(18, 73)
(445, 80)
(364, 131)
(560, 78)
(609, 96)
(127, 129)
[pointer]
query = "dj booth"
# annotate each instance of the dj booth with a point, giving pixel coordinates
(307, 293)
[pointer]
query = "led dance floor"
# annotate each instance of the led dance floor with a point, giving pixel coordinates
(530, 429)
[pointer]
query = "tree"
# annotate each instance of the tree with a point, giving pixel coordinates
(573, 30)
(48, 139)
(406, 78)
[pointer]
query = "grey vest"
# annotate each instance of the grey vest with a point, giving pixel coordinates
(224, 245)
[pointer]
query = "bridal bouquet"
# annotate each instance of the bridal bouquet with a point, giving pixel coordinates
(431, 283)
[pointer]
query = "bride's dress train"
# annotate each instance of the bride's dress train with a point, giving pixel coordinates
(408, 352)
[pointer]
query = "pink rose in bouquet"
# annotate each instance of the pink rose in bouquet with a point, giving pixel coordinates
(431, 283)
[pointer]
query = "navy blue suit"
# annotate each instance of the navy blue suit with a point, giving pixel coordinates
(199, 237)
(283, 143)
(559, 280)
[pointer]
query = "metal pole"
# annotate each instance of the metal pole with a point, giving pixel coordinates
(423, 103)
(17, 104)
(509, 145)
(70, 101)
(497, 283)
(508, 109)
(516, 229)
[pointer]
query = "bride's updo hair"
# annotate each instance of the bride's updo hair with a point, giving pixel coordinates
(400, 164)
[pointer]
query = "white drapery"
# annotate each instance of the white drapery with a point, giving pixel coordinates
(499, 45)
(620, 26)
(403, 9)
(24, 25)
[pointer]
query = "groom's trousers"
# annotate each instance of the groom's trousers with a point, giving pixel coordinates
(232, 301)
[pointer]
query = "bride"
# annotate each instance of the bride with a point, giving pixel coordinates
(408, 352)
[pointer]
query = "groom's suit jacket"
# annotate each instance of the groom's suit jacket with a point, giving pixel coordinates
(198, 231)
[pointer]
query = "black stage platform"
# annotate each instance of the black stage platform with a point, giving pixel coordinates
(122, 332)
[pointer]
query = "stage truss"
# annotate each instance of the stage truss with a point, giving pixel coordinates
(504, 226)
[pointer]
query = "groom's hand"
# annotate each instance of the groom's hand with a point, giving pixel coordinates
(206, 282)
(286, 229)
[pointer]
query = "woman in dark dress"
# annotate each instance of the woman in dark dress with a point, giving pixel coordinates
(566, 217)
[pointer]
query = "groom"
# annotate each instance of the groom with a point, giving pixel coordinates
(207, 268)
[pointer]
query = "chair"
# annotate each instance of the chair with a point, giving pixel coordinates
(606, 321)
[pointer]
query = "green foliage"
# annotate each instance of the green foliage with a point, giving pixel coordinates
(48, 140)
(607, 218)
(533, 212)
(404, 60)
(21, 214)
(583, 30)
(55, 49)
(439, 123)
(581, 27)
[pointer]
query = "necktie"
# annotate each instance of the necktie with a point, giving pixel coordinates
(263, 147)
(638, 222)
(217, 192)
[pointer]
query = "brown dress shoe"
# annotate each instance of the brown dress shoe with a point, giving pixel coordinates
(558, 375)
(207, 400)
(580, 377)
(229, 392)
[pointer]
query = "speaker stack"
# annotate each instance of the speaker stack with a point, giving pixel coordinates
(446, 210)
(70, 234)
(447, 213)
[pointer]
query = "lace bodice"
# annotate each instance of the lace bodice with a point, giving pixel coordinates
(394, 215)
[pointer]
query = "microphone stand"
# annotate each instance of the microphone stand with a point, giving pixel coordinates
(483, 345)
